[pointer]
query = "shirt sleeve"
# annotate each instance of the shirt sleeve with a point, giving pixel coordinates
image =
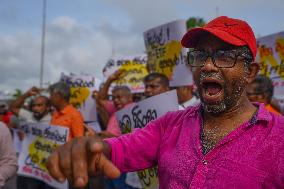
(77, 127)
(113, 126)
(8, 159)
(139, 149)
(25, 115)
(109, 106)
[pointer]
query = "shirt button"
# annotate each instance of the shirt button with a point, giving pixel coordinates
(205, 162)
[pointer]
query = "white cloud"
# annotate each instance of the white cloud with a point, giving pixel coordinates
(70, 47)
(83, 44)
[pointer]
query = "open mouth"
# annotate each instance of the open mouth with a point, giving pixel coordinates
(212, 90)
(118, 106)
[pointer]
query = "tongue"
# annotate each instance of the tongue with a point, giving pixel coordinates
(213, 88)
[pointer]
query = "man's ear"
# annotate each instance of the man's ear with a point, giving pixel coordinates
(252, 71)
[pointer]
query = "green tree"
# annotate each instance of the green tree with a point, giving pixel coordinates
(17, 93)
(193, 22)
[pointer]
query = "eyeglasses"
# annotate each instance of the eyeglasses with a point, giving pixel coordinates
(220, 58)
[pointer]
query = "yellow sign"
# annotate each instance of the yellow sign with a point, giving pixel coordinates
(79, 96)
(164, 58)
(133, 74)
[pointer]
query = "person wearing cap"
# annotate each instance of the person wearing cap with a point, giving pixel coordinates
(226, 142)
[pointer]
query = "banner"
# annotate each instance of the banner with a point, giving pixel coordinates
(82, 87)
(133, 68)
(165, 53)
(138, 115)
(39, 142)
(270, 56)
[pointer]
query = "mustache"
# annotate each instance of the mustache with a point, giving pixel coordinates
(215, 75)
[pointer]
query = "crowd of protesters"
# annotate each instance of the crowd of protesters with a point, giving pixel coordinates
(35, 107)
(227, 94)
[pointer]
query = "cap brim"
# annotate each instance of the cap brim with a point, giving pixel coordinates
(190, 39)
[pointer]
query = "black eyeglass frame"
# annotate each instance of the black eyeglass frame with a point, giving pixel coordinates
(238, 53)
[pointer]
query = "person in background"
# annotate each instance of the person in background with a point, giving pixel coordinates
(5, 114)
(65, 114)
(261, 90)
(121, 97)
(8, 158)
(186, 97)
(40, 107)
(278, 104)
(225, 142)
(40, 113)
(155, 83)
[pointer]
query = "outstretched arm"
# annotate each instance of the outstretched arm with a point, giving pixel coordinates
(18, 103)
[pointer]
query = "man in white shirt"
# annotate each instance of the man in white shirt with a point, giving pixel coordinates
(40, 107)
(186, 97)
(40, 113)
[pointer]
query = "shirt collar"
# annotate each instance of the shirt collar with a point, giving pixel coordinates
(65, 110)
(191, 102)
(261, 115)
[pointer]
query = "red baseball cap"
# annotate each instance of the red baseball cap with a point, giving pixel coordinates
(233, 31)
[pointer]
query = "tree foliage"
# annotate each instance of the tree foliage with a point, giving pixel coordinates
(193, 22)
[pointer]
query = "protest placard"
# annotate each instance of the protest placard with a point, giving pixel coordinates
(39, 142)
(81, 87)
(138, 115)
(133, 69)
(270, 56)
(165, 53)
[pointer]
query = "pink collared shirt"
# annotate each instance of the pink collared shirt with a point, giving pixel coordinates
(252, 156)
(113, 125)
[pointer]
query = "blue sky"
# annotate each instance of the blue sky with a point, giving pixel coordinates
(82, 35)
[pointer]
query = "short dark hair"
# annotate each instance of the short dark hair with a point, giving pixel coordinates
(47, 102)
(62, 88)
(264, 85)
(163, 79)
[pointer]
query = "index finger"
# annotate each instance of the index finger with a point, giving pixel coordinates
(52, 166)
(101, 162)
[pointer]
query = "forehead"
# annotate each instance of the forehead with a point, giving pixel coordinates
(154, 81)
(210, 42)
(39, 100)
(120, 92)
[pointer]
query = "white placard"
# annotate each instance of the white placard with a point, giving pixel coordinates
(137, 116)
(133, 68)
(39, 142)
(165, 53)
(141, 113)
(270, 56)
(82, 87)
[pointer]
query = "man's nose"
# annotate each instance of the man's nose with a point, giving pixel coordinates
(209, 66)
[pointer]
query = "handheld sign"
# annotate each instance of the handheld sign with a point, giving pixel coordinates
(81, 87)
(133, 69)
(165, 53)
(270, 56)
(39, 142)
(138, 115)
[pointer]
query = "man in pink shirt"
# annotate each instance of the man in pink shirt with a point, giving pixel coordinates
(225, 142)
